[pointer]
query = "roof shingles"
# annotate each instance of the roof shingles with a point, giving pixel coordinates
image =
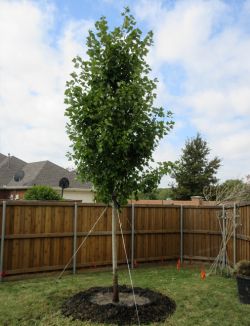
(37, 173)
(8, 167)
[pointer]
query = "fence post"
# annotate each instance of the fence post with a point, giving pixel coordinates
(223, 237)
(132, 235)
(2, 240)
(74, 238)
(181, 232)
(234, 235)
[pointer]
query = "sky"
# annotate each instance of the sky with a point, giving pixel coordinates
(200, 56)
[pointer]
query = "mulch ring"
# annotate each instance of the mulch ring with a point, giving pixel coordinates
(95, 304)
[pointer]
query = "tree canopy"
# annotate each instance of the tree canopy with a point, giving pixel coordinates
(114, 125)
(231, 190)
(157, 194)
(194, 171)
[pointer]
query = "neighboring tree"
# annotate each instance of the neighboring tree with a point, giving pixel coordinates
(165, 193)
(113, 124)
(232, 183)
(232, 190)
(41, 193)
(194, 171)
(158, 194)
(148, 196)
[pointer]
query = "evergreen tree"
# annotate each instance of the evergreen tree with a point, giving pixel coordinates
(194, 171)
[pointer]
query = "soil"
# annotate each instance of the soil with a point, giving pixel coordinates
(95, 304)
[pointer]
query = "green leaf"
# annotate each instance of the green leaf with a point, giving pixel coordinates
(113, 126)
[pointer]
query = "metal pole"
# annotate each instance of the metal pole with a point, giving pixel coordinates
(114, 251)
(181, 231)
(75, 239)
(133, 236)
(234, 235)
(223, 237)
(2, 240)
(114, 240)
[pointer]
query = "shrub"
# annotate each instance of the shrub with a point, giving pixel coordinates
(243, 268)
(41, 193)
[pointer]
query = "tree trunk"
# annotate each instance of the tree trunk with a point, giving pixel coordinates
(114, 253)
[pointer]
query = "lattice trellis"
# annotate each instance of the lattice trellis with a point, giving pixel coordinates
(228, 220)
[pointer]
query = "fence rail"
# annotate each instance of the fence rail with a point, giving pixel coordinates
(42, 236)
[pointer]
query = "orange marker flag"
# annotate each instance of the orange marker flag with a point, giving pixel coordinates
(178, 265)
(203, 274)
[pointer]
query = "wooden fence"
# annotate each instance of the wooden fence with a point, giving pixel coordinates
(42, 236)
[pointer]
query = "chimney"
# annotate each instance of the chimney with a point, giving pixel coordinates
(197, 200)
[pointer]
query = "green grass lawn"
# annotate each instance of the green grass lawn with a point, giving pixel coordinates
(212, 301)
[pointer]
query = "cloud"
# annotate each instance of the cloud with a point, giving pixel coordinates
(34, 68)
(210, 41)
(201, 57)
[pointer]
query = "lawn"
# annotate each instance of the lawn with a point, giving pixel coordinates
(212, 301)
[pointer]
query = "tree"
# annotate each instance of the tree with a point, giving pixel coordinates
(41, 193)
(113, 124)
(232, 190)
(158, 194)
(165, 193)
(194, 171)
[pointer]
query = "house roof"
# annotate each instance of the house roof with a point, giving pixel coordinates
(37, 173)
(47, 173)
(2, 158)
(8, 167)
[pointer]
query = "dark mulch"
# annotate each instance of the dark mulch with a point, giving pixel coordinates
(81, 307)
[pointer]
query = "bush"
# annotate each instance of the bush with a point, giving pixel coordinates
(41, 193)
(243, 268)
